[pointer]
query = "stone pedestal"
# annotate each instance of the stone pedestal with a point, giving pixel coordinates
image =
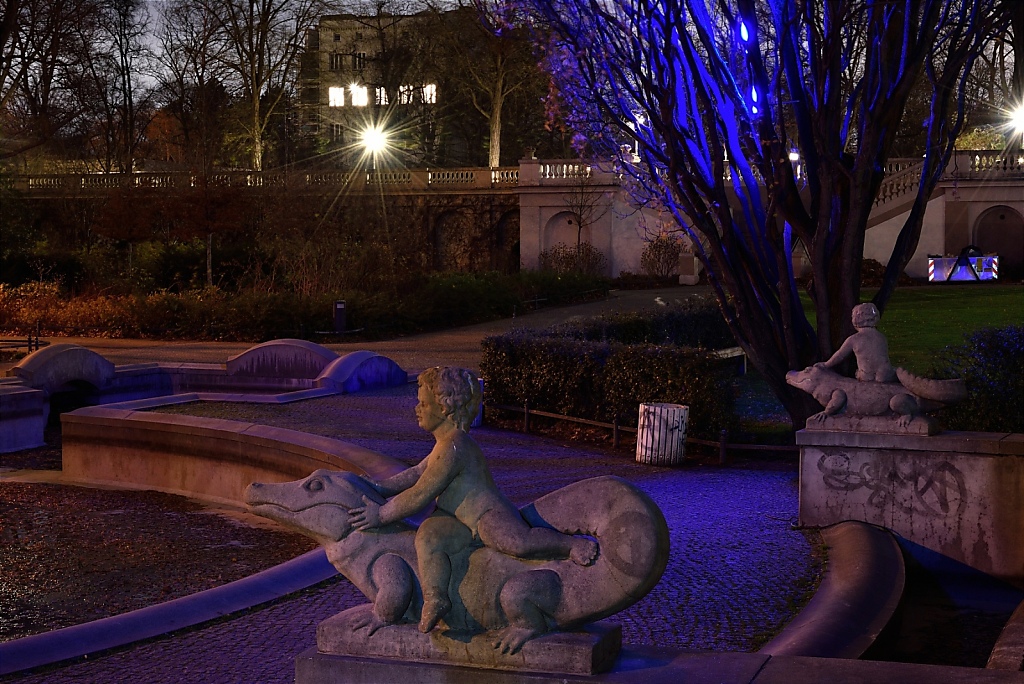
(591, 650)
(960, 494)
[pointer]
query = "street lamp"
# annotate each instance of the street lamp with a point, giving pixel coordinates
(1017, 124)
(374, 140)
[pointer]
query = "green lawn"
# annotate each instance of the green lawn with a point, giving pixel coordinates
(921, 320)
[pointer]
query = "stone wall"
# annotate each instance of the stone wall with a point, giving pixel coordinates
(958, 493)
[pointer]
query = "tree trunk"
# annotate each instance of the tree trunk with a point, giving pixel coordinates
(494, 155)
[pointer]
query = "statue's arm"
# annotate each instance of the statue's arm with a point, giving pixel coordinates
(437, 474)
(845, 349)
(399, 482)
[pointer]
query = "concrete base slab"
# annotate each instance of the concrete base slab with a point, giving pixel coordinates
(588, 651)
(652, 666)
(635, 664)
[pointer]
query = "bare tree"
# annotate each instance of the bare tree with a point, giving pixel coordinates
(719, 92)
(39, 47)
(191, 79)
(119, 103)
(492, 60)
(258, 43)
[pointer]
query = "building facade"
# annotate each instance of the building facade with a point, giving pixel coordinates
(364, 77)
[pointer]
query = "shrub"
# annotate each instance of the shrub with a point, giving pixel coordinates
(584, 258)
(638, 374)
(990, 361)
(660, 257)
(553, 374)
(602, 380)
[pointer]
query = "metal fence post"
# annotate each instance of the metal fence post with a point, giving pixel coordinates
(722, 456)
(526, 416)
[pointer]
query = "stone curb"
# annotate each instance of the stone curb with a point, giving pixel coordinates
(857, 597)
(187, 611)
(1008, 653)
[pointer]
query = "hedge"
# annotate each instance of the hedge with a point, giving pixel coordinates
(604, 380)
(422, 302)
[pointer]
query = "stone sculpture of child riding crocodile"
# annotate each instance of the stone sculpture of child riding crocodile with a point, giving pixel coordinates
(881, 398)
(477, 564)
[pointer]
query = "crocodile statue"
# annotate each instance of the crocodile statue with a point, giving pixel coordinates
(859, 405)
(511, 599)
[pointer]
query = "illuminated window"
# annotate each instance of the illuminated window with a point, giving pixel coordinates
(380, 96)
(430, 94)
(359, 95)
(405, 94)
(336, 97)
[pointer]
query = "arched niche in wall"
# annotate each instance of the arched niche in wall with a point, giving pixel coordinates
(562, 227)
(1000, 230)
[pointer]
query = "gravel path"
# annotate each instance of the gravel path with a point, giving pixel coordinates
(737, 570)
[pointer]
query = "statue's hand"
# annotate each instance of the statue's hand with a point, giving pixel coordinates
(367, 516)
(819, 417)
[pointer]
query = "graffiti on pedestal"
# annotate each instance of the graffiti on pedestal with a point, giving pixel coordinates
(935, 489)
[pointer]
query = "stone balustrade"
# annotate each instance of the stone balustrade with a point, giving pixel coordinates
(901, 177)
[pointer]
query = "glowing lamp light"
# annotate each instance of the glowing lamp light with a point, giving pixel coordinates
(753, 94)
(753, 110)
(374, 139)
(794, 156)
(1017, 119)
(744, 33)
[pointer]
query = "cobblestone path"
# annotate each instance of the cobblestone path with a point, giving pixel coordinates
(736, 573)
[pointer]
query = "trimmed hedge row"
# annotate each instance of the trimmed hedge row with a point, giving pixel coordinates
(605, 380)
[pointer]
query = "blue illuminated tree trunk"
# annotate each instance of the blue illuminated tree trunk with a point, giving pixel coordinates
(717, 94)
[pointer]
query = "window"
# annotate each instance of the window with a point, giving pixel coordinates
(405, 94)
(430, 94)
(359, 61)
(336, 97)
(380, 96)
(337, 37)
(337, 133)
(335, 61)
(358, 94)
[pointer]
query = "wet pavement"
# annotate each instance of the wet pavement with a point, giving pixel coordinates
(737, 571)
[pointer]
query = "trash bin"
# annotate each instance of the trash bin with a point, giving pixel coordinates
(661, 436)
(339, 316)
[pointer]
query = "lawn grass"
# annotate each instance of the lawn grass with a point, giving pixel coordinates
(921, 320)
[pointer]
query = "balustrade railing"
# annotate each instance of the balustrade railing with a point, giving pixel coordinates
(902, 177)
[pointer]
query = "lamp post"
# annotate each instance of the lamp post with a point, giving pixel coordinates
(374, 140)
(1017, 125)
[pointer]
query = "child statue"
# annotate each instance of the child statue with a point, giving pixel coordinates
(469, 507)
(867, 345)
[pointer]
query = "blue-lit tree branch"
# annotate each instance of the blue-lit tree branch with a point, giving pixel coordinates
(717, 93)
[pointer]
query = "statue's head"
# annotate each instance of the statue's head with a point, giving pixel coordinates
(448, 393)
(865, 315)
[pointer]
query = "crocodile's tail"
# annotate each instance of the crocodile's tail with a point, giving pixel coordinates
(945, 391)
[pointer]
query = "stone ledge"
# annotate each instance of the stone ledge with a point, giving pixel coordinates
(590, 650)
(982, 443)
